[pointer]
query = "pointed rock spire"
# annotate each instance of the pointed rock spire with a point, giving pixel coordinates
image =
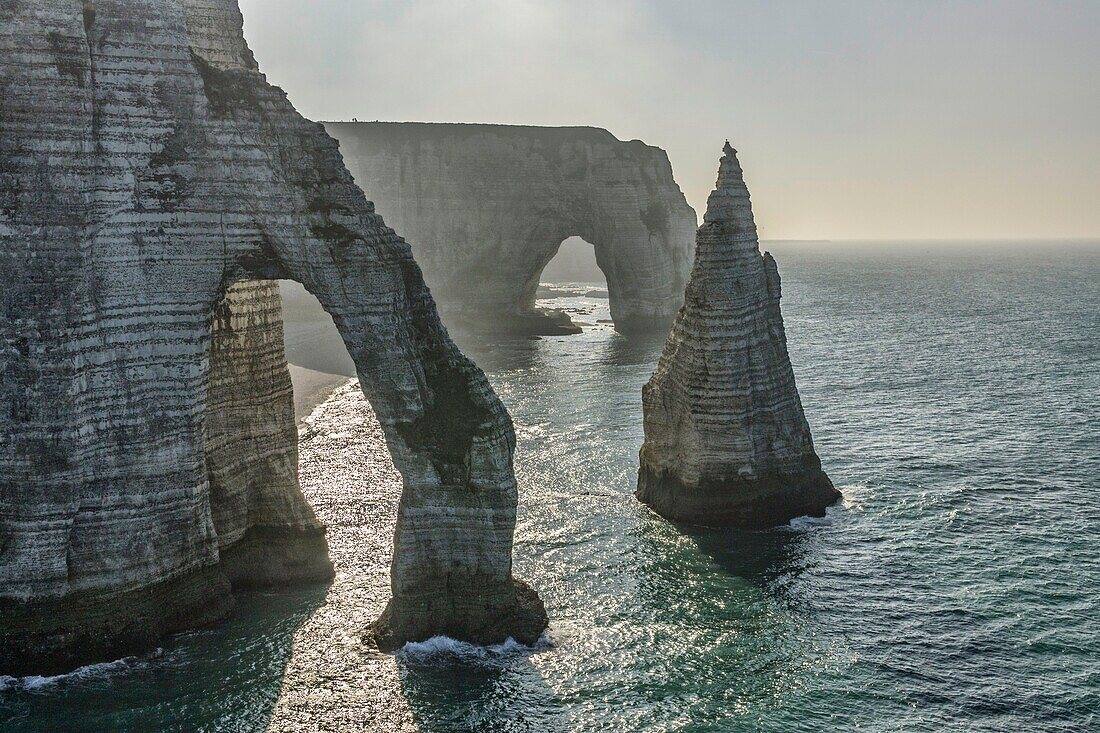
(726, 440)
(729, 202)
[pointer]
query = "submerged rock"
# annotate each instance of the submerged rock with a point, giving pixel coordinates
(726, 440)
(147, 168)
(486, 207)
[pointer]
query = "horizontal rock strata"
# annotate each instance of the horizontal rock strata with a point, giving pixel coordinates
(486, 207)
(146, 166)
(726, 439)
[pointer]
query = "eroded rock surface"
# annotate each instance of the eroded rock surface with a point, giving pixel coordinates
(486, 207)
(146, 166)
(726, 440)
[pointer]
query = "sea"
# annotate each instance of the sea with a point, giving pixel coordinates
(953, 391)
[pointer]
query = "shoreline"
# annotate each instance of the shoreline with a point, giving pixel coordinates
(311, 388)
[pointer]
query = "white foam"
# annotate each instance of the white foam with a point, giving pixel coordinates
(102, 669)
(445, 646)
(809, 522)
(850, 497)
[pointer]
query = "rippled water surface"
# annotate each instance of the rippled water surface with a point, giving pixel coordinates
(953, 393)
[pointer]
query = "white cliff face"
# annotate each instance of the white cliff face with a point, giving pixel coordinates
(146, 166)
(726, 440)
(485, 208)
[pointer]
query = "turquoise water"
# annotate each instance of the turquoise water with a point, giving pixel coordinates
(954, 394)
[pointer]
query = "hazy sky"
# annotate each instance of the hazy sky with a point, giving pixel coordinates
(854, 119)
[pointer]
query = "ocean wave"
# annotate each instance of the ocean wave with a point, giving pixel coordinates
(89, 671)
(438, 647)
(852, 495)
(807, 522)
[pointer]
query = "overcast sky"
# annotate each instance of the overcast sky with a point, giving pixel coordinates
(853, 118)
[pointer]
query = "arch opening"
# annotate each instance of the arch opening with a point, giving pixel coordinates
(574, 262)
(566, 268)
(568, 283)
(446, 423)
(316, 355)
(267, 533)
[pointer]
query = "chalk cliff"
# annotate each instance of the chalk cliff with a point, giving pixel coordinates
(147, 168)
(726, 440)
(485, 208)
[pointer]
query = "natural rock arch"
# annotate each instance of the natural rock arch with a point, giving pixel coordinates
(159, 170)
(485, 208)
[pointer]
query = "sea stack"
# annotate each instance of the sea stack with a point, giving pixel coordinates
(726, 440)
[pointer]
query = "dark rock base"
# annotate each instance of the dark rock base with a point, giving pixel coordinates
(758, 504)
(537, 322)
(520, 614)
(270, 557)
(546, 322)
(54, 637)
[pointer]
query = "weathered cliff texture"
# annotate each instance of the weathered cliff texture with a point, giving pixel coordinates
(726, 440)
(485, 208)
(146, 166)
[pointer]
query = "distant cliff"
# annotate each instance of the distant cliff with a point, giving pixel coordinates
(726, 440)
(146, 439)
(485, 208)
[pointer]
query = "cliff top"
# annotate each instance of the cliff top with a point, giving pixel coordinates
(401, 131)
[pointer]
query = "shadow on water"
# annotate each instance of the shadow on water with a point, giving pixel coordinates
(723, 614)
(737, 565)
(482, 690)
(226, 677)
(759, 556)
(632, 350)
